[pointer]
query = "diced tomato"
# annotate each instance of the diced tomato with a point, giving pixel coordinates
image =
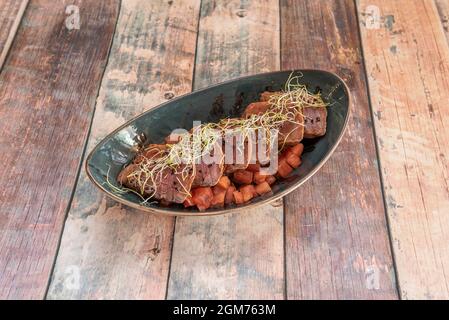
(202, 197)
(258, 177)
(284, 168)
(292, 159)
(297, 149)
(229, 197)
(263, 188)
(248, 192)
(242, 177)
(218, 200)
(238, 197)
(224, 183)
(217, 190)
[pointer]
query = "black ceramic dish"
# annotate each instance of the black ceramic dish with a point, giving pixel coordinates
(211, 104)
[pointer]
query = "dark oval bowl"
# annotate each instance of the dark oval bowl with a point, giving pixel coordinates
(227, 99)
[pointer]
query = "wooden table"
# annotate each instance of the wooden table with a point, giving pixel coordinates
(372, 224)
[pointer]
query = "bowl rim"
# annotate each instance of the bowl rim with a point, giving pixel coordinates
(167, 211)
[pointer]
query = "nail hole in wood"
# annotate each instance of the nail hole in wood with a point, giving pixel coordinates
(169, 95)
(241, 13)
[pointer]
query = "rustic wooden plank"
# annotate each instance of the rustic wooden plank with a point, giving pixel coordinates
(234, 256)
(337, 244)
(407, 59)
(11, 13)
(48, 87)
(120, 253)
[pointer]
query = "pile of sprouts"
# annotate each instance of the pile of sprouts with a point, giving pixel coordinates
(180, 158)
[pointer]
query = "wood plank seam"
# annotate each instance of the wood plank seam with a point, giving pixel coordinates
(12, 32)
(172, 240)
(196, 49)
(83, 153)
(376, 145)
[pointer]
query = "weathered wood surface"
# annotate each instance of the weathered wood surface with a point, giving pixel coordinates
(114, 252)
(48, 87)
(238, 256)
(337, 244)
(407, 60)
(11, 12)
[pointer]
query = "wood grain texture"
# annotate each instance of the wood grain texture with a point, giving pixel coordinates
(337, 244)
(11, 12)
(118, 252)
(407, 59)
(237, 256)
(48, 87)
